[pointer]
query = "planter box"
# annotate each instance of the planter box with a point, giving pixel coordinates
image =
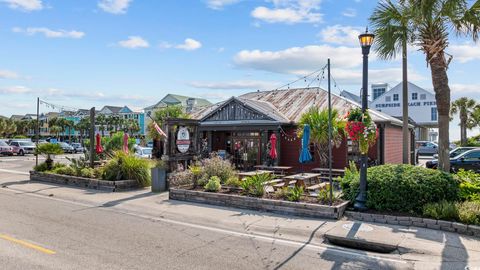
(83, 182)
(259, 204)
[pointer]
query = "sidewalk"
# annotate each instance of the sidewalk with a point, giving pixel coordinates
(420, 248)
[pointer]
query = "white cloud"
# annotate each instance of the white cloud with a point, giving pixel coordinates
(349, 12)
(114, 6)
(339, 34)
(50, 33)
(299, 60)
(25, 5)
(235, 85)
(220, 4)
(384, 75)
(134, 42)
(289, 12)
(189, 45)
(470, 90)
(465, 52)
(7, 74)
(15, 90)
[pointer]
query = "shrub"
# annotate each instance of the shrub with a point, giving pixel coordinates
(213, 184)
(281, 193)
(181, 178)
(197, 172)
(128, 167)
(324, 195)
(233, 182)
(469, 185)
(42, 167)
(216, 166)
(295, 194)
(67, 170)
(98, 172)
(87, 173)
(469, 212)
(115, 142)
(49, 149)
(441, 210)
(404, 188)
(351, 176)
(255, 185)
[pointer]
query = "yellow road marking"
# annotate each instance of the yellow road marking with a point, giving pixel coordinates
(27, 244)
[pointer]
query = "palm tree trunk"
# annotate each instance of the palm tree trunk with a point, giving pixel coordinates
(442, 96)
(405, 133)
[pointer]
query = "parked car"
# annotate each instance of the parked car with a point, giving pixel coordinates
(150, 144)
(469, 160)
(77, 148)
(427, 148)
(143, 152)
(5, 149)
(457, 151)
(22, 148)
(67, 148)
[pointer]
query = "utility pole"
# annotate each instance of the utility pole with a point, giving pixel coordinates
(37, 131)
(330, 133)
(92, 137)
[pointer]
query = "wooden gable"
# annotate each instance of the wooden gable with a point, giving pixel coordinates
(235, 110)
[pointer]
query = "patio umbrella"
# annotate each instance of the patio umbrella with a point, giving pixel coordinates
(273, 148)
(98, 147)
(305, 153)
(125, 143)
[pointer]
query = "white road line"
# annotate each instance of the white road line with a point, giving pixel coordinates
(323, 247)
(14, 172)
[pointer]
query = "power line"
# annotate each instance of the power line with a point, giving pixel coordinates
(56, 106)
(301, 78)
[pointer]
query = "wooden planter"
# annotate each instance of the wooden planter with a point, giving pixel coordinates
(259, 204)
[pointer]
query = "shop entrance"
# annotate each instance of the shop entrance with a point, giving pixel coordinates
(246, 149)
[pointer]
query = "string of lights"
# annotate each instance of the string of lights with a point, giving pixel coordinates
(287, 137)
(60, 108)
(303, 78)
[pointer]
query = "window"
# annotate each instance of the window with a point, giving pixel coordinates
(434, 114)
(473, 156)
(395, 97)
(414, 96)
(388, 99)
(423, 96)
(378, 92)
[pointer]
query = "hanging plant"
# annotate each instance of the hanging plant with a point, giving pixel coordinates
(360, 128)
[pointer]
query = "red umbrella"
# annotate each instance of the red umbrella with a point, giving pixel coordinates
(125, 143)
(98, 147)
(273, 143)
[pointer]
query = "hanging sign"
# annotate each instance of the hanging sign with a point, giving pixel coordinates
(183, 140)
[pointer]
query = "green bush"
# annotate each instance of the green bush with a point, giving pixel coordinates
(115, 142)
(295, 194)
(281, 193)
(464, 212)
(181, 178)
(87, 173)
(469, 185)
(351, 176)
(441, 210)
(233, 182)
(67, 170)
(128, 167)
(213, 184)
(255, 185)
(404, 188)
(42, 167)
(469, 212)
(216, 166)
(197, 173)
(98, 172)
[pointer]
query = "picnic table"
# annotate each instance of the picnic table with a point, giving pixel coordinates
(301, 178)
(325, 171)
(252, 173)
(276, 169)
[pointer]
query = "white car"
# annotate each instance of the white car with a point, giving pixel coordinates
(143, 152)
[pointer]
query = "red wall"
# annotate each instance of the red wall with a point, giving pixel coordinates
(290, 152)
(393, 145)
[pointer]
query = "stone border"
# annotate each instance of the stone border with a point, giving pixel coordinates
(442, 225)
(259, 204)
(83, 182)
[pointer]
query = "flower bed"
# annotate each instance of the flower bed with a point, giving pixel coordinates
(84, 182)
(229, 198)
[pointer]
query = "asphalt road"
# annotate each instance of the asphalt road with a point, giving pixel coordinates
(38, 232)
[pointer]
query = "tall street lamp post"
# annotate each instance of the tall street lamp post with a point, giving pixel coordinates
(366, 41)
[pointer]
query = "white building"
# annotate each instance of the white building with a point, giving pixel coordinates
(422, 107)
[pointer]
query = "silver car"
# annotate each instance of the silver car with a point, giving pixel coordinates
(427, 148)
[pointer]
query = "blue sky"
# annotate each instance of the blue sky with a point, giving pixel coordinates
(133, 52)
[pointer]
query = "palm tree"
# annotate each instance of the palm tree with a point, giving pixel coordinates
(101, 121)
(475, 118)
(10, 127)
(3, 126)
(56, 130)
(132, 126)
(464, 107)
(318, 121)
(83, 126)
(431, 21)
(392, 34)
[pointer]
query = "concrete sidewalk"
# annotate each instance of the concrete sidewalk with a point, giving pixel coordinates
(419, 248)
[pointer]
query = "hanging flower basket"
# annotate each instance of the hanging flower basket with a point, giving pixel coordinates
(361, 129)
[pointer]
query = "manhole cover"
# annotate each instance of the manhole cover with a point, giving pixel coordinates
(357, 227)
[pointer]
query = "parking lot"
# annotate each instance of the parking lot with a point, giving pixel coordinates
(26, 163)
